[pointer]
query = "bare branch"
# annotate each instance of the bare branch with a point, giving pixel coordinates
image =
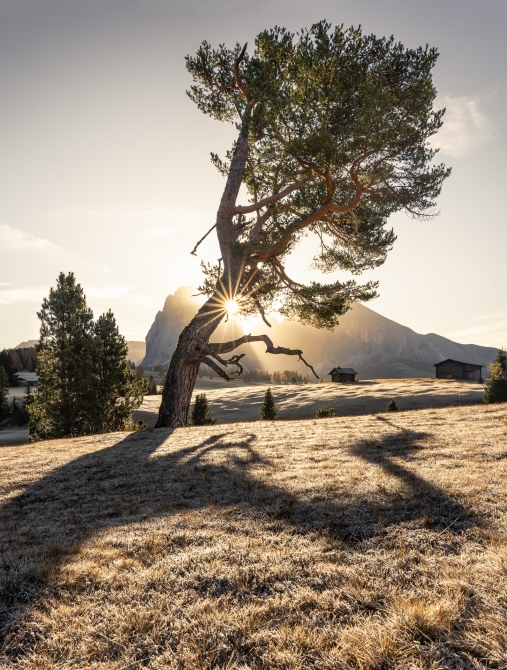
(211, 364)
(248, 209)
(192, 253)
(225, 347)
(262, 313)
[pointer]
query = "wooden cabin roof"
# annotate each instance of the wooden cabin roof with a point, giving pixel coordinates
(452, 360)
(346, 371)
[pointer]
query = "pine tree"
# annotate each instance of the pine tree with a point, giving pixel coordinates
(496, 386)
(8, 365)
(393, 407)
(85, 385)
(268, 408)
(4, 403)
(152, 387)
(66, 354)
(200, 414)
(119, 392)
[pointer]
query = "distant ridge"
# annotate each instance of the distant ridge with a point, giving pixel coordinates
(26, 345)
(377, 347)
(137, 350)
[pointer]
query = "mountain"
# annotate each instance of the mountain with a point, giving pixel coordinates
(377, 347)
(137, 351)
(178, 310)
(26, 345)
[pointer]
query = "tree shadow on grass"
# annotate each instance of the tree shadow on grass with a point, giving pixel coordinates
(128, 482)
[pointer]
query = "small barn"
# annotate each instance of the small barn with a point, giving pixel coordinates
(343, 375)
(451, 369)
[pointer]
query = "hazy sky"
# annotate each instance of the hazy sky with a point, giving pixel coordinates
(105, 170)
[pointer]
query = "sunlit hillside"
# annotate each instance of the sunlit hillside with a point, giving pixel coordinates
(358, 542)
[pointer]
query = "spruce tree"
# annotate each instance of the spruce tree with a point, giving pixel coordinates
(8, 365)
(85, 385)
(393, 407)
(118, 391)
(268, 408)
(152, 387)
(4, 403)
(496, 386)
(66, 354)
(200, 414)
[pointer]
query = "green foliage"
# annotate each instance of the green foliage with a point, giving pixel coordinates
(392, 406)
(337, 124)
(496, 386)
(18, 413)
(85, 385)
(152, 387)
(8, 365)
(4, 403)
(118, 391)
(324, 413)
(269, 411)
(139, 426)
(200, 414)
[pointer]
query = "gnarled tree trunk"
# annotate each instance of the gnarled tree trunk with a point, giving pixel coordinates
(188, 354)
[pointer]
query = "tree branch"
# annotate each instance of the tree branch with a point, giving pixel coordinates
(225, 347)
(192, 253)
(248, 209)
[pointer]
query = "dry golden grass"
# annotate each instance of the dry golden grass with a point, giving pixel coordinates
(369, 542)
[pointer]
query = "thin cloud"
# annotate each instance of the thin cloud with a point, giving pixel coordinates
(26, 294)
(466, 125)
(488, 330)
(15, 239)
(117, 291)
(145, 300)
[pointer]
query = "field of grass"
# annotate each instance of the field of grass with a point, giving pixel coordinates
(369, 542)
(238, 401)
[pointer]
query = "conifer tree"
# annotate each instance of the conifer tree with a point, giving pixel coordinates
(85, 385)
(119, 392)
(268, 407)
(496, 386)
(152, 387)
(8, 365)
(4, 403)
(334, 136)
(201, 414)
(392, 406)
(66, 354)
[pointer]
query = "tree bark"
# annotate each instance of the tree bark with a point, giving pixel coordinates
(183, 367)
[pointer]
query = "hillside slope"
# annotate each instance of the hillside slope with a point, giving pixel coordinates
(375, 346)
(360, 542)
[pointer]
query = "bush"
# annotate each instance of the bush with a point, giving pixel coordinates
(152, 387)
(496, 386)
(200, 414)
(324, 413)
(268, 408)
(393, 407)
(139, 425)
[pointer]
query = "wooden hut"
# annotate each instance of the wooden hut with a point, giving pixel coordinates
(451, 369)
(343, 375)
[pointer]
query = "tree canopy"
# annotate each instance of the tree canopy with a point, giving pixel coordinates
(336, 127)
(85, 384)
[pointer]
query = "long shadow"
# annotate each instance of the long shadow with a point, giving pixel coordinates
(41, 527)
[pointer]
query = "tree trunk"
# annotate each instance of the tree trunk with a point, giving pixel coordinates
(183, 367)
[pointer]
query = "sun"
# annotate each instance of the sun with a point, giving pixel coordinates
(231, 307)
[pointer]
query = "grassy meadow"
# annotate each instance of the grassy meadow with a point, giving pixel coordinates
(369, 542)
